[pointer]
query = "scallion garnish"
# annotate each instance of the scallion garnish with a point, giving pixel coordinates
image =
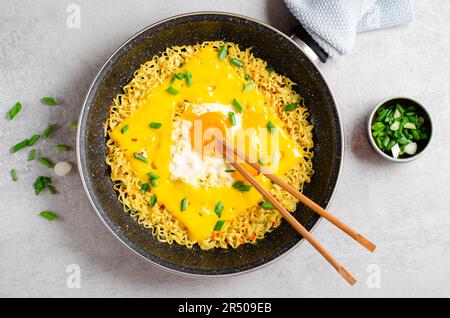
(270, 127)
(41, 183)
(125, 128)
(46, 162)
(239, 185)
(74, 125)
(219, 225)
(247, 76)
(14, 111)
(13, 175)
(237, 106)
(232, 118)
(48, 131)
(153, 200)
(49, 101)
(269, 69)
(172, 90)
(20, 146)
(155, 125)
(153, 183)
(237, 62)
(291, 107)
(230, 170)
(183, 205)
(223, 52)
(249, 86)
(62, 147)
(51, 189)
(140, 157)
(218, 209)
(188, 78)
(152, 175)
(33, 140)
(172, 80)
(145, 187)
(180, 76)
(31, 154)
(48, 215)
(266, 205)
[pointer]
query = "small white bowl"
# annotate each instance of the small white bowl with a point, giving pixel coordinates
(402, 101)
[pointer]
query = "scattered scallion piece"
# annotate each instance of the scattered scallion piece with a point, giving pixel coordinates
(153, 200)
(155, 125)
(232, 118)
(180, 76)
(33, 140)
(218, 209)
(172, 80)
(183, 205)
(239, 185)
(49, 101)
(269, 69)
(172, 90)
(48, 215)
(267, 205)
(237, 62)
(51, 189)
(13, 175)
(291, 107)
(223, 52)
(62, 147)
(153, 183)
(46, 162)
(31, 155)
(237, 106)
(230, 170)
(74, 125)
(14, 111)
(219, 225)
(125, 128)
(140, 157)
(270, 127)
(145, 187)
(152, 175)
(41, 183)
(21, 145)
(249, 86)
(188, 78)
(48, 131)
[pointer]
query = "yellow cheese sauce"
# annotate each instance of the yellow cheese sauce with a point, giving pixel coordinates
(213, 81)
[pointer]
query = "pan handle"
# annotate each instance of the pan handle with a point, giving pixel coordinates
(308, 45)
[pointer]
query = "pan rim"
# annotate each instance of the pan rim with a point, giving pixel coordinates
(122, 240)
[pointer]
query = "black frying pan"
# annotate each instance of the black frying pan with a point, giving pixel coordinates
(286, 58)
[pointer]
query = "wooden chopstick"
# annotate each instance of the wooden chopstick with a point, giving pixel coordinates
(290, 218)
(304, 199)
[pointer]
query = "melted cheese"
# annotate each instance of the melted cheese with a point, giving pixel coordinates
(213, 81)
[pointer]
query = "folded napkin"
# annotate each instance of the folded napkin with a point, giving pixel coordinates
(333, 24)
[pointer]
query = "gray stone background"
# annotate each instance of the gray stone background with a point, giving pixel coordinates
(403, 208)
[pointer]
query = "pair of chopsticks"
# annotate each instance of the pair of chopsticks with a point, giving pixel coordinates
(231, 154)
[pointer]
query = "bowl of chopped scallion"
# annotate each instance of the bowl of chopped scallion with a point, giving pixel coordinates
(400, 129)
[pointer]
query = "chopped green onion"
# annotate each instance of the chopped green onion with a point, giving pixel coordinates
(237, 62)
(140, 157)
(74, 125)
(249, 86)
(62, 147)
(269, 69)
(180, 76)
(153, 200)
(218, 209)
(14, 111)
(291, 107)
(125, 128)
(145, 187)
(33, 140)
(261, 162)
(50, 101)
(13, 175)
(20, 146)
(46, 162)
(51, 189)
(41, 183)
(183, 205)
(247, 77)
(172, 80)
(223, 52)
(153, 183)
(270, 127)
(188, 78)
(172, 90)
(230, 170)
(48, 131)
(31, 154)
(239, 185)
(155, 125)
(48, 215)
(152, 175)
(378, 125)
(266, 205)
(237, 106)
(232, 118)
(219, 225)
